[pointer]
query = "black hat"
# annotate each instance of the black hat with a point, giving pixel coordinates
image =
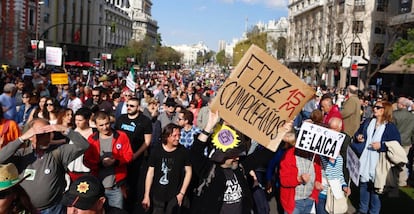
(83, 193)
(170, 102)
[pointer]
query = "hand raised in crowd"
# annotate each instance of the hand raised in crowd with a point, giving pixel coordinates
(55, 128)
(213, 118)
(288, 126)
(32, 132)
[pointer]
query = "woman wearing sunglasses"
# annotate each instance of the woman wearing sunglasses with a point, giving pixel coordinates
(372, 137)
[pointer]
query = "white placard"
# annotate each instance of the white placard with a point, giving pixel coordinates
(27, 72)
(319, 140)
(54, 56)
(353, 165)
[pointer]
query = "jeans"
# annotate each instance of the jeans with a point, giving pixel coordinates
(57, 208)
(368, 199)
(115, 197)
(320, 206)
(303, 206)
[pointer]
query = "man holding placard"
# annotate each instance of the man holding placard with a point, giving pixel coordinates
(223, 187)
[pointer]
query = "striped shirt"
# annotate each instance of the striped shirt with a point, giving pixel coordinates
(332, 171)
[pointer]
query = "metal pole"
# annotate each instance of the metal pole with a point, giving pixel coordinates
(38, 3)
(37, 28)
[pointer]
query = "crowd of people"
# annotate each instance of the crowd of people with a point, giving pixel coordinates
(98, 145)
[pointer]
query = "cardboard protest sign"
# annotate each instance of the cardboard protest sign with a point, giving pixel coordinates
(260, 96)
(319, 140)
(353, 165)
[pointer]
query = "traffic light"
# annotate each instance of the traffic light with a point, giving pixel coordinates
(113, 25)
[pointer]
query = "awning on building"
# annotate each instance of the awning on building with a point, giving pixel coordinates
(400, 66)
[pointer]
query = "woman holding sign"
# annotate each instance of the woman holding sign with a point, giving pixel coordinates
(373, 135)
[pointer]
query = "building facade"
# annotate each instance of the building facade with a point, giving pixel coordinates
(143, 23)
(327, 36)
(83, 29)
(191, 52)
(18, 24)
(276, 35)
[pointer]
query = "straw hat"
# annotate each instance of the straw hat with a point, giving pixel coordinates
(9, 176)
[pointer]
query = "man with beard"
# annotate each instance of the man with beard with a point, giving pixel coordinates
(223, 185)
(138, 128)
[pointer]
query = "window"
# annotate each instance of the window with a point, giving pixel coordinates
(340, 28)
(380, 27)
(357, 26)
(356, 49)
(46, 18)
(378, 49)
(31, 17)
(382, 5)
(405, 6)
(338, 49)
(359, 5)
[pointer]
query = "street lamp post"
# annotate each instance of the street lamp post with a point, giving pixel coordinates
(38, 3)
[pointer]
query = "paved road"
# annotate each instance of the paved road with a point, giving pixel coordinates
(272, 203)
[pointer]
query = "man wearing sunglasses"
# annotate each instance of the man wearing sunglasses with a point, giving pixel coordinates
(138, 128)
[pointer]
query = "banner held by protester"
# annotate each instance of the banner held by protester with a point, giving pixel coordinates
(319, 140)
(353, 165)
(260, 96)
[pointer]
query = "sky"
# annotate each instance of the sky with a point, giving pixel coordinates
(187, 22)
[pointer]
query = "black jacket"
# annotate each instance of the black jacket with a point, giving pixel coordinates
(210, 200)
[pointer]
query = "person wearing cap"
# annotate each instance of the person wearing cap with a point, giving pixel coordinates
(8, 102)
(165, 179)
(168, 115)
(223, 186)
(13, 198)
(44, 162)
(351, 111)
(87, 195)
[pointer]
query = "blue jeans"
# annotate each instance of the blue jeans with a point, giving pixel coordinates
(368, 199)
(303, 206)
(115, 197)
(57, 208)
(320, 206)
